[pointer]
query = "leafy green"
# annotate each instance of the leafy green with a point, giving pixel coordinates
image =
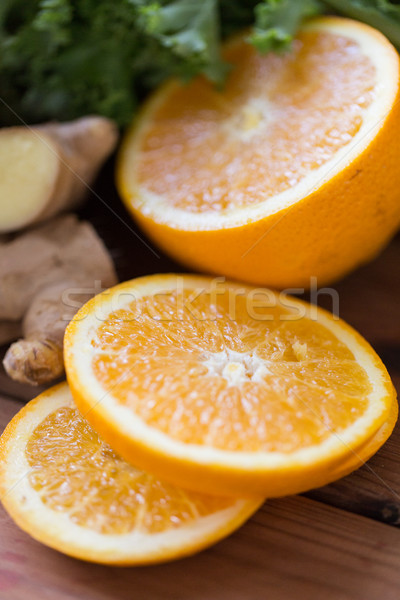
(277, 21)
(189, 30)
(64, 58)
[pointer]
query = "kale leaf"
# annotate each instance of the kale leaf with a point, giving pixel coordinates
(60, 59)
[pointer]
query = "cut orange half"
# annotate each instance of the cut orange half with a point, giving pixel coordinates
(222, 388)
(68, 489)
(289, 172)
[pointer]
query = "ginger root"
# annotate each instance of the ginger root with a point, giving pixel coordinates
(61, 249)
(47, 169)
(45, 275)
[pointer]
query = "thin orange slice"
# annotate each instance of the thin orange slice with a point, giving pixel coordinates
(222, 388)
(68, 489)
(291, 171)
(359, 458)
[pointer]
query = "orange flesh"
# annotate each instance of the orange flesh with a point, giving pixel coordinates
(277, 119)
(75, 472)
(204, 371)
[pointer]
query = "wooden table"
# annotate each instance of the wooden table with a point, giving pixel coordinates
(340, 542)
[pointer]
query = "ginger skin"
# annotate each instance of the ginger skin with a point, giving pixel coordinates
(70, 264)
(34, 362)
(62, 249)
(47, 169)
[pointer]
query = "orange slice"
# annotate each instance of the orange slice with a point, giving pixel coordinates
(359, 458)
(222, 388)
(68, 489)
(291, 171)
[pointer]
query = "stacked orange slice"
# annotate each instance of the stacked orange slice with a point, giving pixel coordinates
(222, 388)
(211, 392)
(67, 488)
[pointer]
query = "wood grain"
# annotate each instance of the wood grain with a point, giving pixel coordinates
(292, 548)
(369, 299)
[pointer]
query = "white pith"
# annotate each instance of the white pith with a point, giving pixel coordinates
(236, 367)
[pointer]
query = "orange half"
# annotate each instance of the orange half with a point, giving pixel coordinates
(289, 172)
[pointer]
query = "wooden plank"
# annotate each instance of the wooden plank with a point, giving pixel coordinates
(292, 548)
(369, 299)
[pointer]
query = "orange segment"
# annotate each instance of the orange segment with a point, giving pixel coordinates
(182, 366)
(262, 139)
(74, 471)
(190, 381)
(288, 172)
(68, 488)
